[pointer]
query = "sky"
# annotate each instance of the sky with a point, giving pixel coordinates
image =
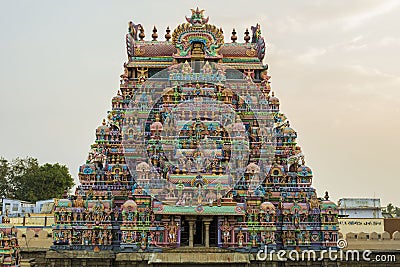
(334, 67)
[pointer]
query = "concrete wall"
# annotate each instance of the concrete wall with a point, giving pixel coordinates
(48, 204)
(362, 213)
(360, 207)
(373, 241)
(392, 225)
(34, 239)
(40, 220)
(355, 225)
(191, 257)
(359, 203)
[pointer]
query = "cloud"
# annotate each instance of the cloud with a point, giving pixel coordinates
(389, 41)
(355, 43)
(374, 73)
(311, 55)
(382, 9)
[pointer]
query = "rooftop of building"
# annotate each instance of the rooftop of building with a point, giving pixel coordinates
(359, 203)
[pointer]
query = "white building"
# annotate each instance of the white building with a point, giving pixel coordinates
(18, 208)
(360, 208)
(44, 206)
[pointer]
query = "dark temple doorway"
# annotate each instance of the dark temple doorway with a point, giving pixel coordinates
(184, 232)
(198, 234)
(214, 232)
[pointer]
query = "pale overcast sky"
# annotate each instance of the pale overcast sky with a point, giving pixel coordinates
(334, 66)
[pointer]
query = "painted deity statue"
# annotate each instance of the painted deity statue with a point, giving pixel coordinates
(240, 238)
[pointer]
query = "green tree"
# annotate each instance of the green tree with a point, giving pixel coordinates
(29, 181)
(390, 208)
(53, 180)
(21, 177)
(393, 210)
(397, 211)
(4, 183)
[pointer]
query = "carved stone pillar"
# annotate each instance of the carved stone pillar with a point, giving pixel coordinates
(191, 224)
(207, 221)
(207, 229)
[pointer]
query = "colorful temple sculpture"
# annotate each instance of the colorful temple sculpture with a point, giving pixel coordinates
(195, 151)
(9, 248)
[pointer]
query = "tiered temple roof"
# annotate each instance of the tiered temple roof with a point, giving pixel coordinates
(195, 150)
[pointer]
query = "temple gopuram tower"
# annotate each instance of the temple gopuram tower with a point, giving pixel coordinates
(195, 151)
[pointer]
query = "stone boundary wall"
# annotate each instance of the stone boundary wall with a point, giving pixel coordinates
(35, 244)
(373, 241)
(178, 257)
(30, 239)
(33, 220)
(192, 257)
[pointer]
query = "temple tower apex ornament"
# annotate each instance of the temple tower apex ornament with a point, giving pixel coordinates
(195, 151)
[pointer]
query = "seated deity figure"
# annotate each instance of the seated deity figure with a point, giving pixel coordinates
(314, 203)
(78, 203)
(186, 68)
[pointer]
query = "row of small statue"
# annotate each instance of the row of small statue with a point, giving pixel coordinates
(83, 237)
(81, 215)
(296, 238)
(135, 217)
(304, 237)
(287, 180)
(151, 237)
(133, 237)
(255, 238)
